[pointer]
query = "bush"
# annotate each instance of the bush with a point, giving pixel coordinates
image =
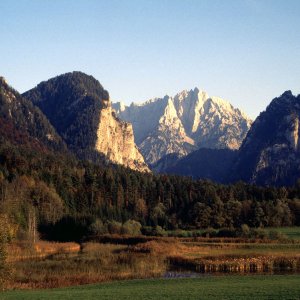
(197, 233)
(177, 233)
(210, 232)
(154, 231)
(258, 233)
(114, 227)
(245, 230)
(276, 235)
(131, 227)
(98, 228)
(159, 231)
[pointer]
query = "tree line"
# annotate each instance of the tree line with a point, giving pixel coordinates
(56, 193)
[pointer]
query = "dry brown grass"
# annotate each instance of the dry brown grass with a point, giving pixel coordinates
(238, 264)
(48, 265)
(93, 263)
(224, 256)
(24, 250)
(50, 247)
(172, 247)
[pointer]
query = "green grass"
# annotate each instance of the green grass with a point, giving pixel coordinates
(244, 249)
(290, 232)
(222, 287)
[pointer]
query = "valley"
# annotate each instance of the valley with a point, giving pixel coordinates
(149, 149)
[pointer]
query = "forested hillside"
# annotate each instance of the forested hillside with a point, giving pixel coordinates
(23, 123)
(68, 199)
(80, 110)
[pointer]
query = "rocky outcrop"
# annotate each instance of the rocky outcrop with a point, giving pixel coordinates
(168, 135)
(183, 123)
(80, 110)
(115, 140)
(270, 153)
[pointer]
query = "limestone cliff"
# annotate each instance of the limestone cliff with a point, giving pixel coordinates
(115, 140)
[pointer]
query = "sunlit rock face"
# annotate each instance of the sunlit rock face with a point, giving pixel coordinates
(181, 124)
(115, 140)
(270, 153)
(79, 108)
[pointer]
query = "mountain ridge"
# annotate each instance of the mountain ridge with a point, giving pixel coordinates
(192, 120)
(270, 152)
(24, 123)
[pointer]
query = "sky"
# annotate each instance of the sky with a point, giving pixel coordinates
(247, 52)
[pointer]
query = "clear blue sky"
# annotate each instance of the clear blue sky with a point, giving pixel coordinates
(245, 51)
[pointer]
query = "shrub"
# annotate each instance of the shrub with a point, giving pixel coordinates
(276, 235)
(132, 227)
(245, 230)
(258, 233)
(159, 231)
(210, 232)
(114, 227)
(98, 228)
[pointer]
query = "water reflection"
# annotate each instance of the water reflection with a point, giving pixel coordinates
(192, 272)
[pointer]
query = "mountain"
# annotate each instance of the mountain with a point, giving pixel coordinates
(166, 162)
(270, 154)
(184, 123)
(22, 123)
(79, 108)
(213, 164)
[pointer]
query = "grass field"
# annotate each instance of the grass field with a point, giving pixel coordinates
(287, 232)
(290, 232)
(205, 287)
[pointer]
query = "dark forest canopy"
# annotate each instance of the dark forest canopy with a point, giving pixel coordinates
(60, 190)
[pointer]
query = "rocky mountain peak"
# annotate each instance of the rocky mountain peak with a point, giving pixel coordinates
(7, 91)
(287, 103)
(2, 80)
(287, 93)
(270, 153)
(192, 120)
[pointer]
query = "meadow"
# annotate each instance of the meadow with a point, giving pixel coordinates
(157, 267)
(91, 263)
(205, 287)
(111, 258)
(290, 232)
